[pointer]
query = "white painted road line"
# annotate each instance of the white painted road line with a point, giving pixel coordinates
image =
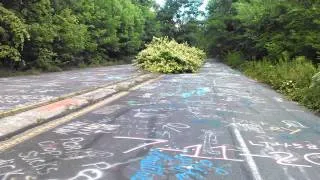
(251, 164)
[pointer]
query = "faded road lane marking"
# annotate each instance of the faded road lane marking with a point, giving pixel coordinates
(251, 163)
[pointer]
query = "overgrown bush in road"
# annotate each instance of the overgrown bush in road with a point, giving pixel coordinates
(167, 56)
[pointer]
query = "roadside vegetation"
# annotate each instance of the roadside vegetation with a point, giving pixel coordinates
(51, 35)
(295, 78)
(275, 42)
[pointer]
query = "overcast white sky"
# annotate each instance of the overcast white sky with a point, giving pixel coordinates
(161, 2)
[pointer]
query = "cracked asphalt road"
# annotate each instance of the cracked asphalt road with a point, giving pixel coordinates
(21, 91)
(217, 124)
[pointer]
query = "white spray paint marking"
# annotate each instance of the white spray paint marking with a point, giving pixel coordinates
(154, 142)
(294, 110)
(88, 174)
(6, 175)
(309, 157)
(252, 165)
(294, 124)
(278, 99)
(284, 160)
(147, 95)
(270, 149)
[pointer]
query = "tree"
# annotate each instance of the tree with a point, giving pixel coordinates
(267, 28)
(70, 32)
(13, 34)
(180, 20)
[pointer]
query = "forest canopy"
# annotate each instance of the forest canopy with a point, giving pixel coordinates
(50, 34)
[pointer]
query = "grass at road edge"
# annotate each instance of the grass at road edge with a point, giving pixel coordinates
(291, 78)
(13, 73)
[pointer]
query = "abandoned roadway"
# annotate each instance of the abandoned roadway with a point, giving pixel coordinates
(216, 124)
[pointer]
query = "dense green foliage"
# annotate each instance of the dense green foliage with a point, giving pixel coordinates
(167, 56)
(13, 34)
(312, 97)
(52, 34)
(276, 42)
(181, 20)
(292, 78)
(264, 28)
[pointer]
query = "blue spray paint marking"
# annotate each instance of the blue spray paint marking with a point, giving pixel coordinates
(151, 165)
(132, 103)
(194, 171)
(183, 169)
(202, 91)
(199, 121)
(198, 92)
(142, 176)
(220, 171)
(157, 163)
(188, 94)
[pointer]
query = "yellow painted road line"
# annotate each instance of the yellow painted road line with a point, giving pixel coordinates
(29, 106)
(53, 124)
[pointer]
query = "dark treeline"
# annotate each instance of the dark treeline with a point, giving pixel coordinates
(264, 28)
(273, 41)
(50, 34)
(54, 34)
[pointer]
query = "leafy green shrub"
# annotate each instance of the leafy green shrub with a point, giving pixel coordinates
(293, 78)
(234, 59)
(45, 60)
(312, 97)
(260, 70)
(167, 56)
(13, 34)
(315, 81)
